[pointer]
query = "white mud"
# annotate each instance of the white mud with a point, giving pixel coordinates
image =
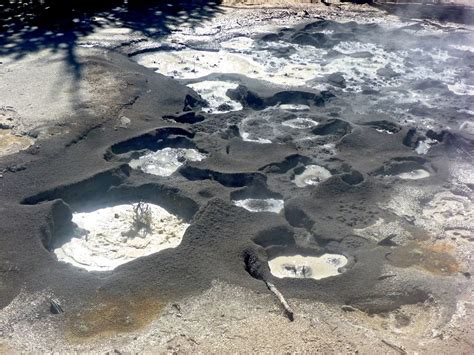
(312, 175)
(461, 88)
(166, 161)
(108, 243)
(261, 205)
(313, 267)
(414, 175)
(294, 107)
(272, 126)
(248, 137)
(424, 146)
(189, 64)
(214, 92)
(386, 131)
(365, 62)
(300, 123)
(257, 64)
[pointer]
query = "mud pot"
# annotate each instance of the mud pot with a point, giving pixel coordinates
(321, 156)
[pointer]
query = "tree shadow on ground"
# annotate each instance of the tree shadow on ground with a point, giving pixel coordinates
(28, 26)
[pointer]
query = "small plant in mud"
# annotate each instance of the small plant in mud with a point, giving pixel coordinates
(141, 221)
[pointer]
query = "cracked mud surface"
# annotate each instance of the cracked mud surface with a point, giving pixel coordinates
(366, 141)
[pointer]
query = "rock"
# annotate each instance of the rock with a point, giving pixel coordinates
(347, 308)
(16, 168)
(124, 122)
(429, 84)
(185, 117)
(194, 101)
(387, 241)
(303, 13)
(387, 73)
(225, 107)
(467, 127)
(55, 306)
(315, 39)
(33, 150)
(271, 37)
(6, 126)
(337, 79)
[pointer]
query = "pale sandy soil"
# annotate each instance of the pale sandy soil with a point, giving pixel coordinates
(230, 319)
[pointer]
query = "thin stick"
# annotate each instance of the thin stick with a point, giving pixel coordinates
(288, 311)
(395, 347)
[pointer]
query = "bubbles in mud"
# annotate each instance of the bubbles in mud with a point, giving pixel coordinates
(461, 88)
(414, 174)
(260, 205)
(259, 63)
(348, 57)
(381, 130)
(214, 92)
(112, 236)
(312, 175)
(300, 123)
(314, 267)
(274, 125)
(294, 107)
(424, 146)
(166, 161)
(188, 64)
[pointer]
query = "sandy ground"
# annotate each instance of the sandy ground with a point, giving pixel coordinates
(229, 319)
(43, 89)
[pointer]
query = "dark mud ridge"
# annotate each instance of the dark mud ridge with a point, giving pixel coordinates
(332, 167)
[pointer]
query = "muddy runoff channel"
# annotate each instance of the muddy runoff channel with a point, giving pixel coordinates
(315, 161)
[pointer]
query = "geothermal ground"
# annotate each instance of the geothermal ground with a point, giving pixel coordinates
(154, 202)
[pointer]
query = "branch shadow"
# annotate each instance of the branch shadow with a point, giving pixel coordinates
(28, 26)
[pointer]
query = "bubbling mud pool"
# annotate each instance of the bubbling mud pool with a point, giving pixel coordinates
(414, 70)
(109, 237)
(303, 267)
(166, 161)
(414, 175)
(214, 92)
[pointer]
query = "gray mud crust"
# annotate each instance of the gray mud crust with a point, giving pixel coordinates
(365, 211)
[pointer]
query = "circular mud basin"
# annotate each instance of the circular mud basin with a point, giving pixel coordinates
(414, 175)
(307, 267)
(294, 107)
(300, 123)
(108, 237)
(312, 175)
(261, 205)
(165, 162)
